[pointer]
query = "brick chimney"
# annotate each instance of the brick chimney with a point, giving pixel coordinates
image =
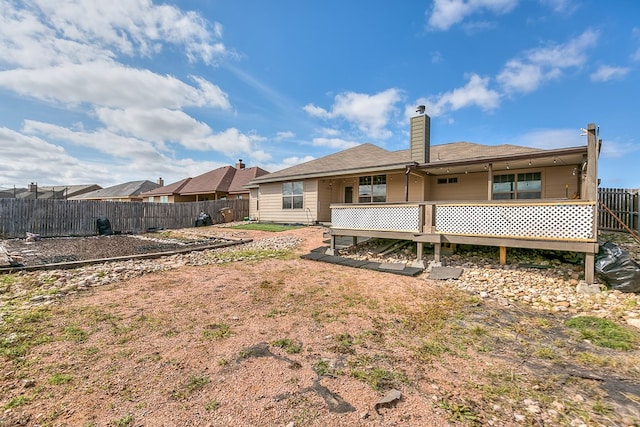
(33, 187)
(239, 165)
(420, 136)
(160, 182)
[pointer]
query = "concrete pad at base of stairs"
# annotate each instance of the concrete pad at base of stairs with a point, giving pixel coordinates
(444, 273)
(410, 271)
(356, 263)
(314, 256)
(395, 266)
(371, 266)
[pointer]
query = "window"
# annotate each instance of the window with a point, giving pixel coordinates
(150, 200)
(372, 189)
(164, 199)
(517, 186)
(453, 180)
(529, 185)
(292, 195)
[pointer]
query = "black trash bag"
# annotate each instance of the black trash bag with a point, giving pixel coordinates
(617, 268)
(203, 219)
(104, 226)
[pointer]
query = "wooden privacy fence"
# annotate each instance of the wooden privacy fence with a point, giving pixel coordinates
(623, 203)
(55, 218)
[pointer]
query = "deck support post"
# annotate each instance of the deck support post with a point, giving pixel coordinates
(437, 248)
(332, 248)
(419, 262)
(589, 268)
(503, 255)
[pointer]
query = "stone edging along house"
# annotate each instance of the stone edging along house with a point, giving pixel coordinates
(461, 192)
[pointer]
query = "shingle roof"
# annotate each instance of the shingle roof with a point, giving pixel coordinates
(369, 156)
(127, 189)
(169, 189)
(358, 157)
(242, 178)
(226, 179)
(470, 150)
(217, 180)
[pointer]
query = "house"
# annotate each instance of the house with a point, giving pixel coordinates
(461, 192)
(34, 191)
(127, 192)
(454, 171)
(226, 182)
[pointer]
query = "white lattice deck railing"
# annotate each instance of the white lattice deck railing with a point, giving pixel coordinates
(404, 218)
(557, 220)
(563, 220)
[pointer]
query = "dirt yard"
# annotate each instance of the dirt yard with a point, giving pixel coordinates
(276, 340)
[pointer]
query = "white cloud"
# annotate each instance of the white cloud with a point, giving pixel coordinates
(231, 142)
(157, 125)
(329, 132)
(536, 66)
(613, 149)
(316, 111)
(285, 135)
(113, 85)
(561, 6)
(334, 143)
(369, 113)
(446, 13)
(101, 140)
(286, 163)
(475, 92)
(37, 158)
(552, 138)
(606, 72)
(73, 30)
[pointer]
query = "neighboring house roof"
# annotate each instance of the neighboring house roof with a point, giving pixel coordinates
(242, 178)
(11, 193)
(70, 190)
(167, 190)
(52, 192)
(370, 158)
(217, 180)
(226, 179)
(126, 190)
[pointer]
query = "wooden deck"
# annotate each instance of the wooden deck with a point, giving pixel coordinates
(563, 225)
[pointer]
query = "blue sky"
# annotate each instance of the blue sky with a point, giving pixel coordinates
(123, 90)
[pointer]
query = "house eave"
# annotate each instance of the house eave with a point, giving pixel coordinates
(542, 158)
(339, 172)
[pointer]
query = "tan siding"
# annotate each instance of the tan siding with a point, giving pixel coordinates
(327, 193)
(253, 204)
(395, 187)
(559, 182)
(271, 204)
(471, 186)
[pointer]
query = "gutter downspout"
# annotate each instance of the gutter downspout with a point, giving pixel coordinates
(406, 183)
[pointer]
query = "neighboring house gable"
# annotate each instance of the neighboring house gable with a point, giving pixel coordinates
(221, 183)
(35, 191)
(126, 192)
(241, 178)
